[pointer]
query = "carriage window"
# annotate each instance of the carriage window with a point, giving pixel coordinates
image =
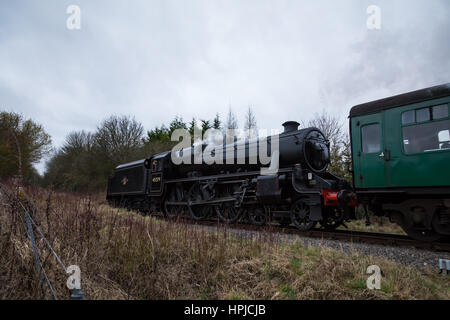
(370, 138)
(426, 137)
(408, 117)
(440, 111)
(423, 114)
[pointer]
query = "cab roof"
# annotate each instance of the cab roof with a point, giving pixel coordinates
(130, 164)
(435, 92)
(160, 155)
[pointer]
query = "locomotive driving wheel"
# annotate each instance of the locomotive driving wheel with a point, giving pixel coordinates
(171, 210)
(257, 216)
(300, 215)
(227, 211)
(199, 193)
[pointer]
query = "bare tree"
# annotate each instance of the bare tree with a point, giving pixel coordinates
(231, 122)
(332, 128)
(78, 141)
(250, 126)
(119, 137)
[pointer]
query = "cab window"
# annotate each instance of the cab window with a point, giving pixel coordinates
(429, 131)
(370, 138)
(155, 166)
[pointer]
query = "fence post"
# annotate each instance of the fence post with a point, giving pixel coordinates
(77, 294)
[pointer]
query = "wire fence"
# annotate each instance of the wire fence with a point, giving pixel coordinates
(32, 230)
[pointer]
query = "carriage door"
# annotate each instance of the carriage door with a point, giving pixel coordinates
(369, 153)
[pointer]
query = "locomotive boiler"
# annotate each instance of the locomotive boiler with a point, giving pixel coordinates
(307, 147)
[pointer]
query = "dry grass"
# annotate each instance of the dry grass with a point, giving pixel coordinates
(125, 256)
(378, 224)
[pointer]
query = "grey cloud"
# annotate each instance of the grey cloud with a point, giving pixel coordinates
(157, 59)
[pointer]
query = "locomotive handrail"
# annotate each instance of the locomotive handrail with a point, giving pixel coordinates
(202, 202)
(226, 175)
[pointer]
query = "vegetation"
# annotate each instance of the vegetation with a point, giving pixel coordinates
(86, 159)
(378, 224)
(123, 255)
(250, 126)
(23, 143)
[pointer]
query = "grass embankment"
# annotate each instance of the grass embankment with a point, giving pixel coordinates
(378, 224)
(123, 255)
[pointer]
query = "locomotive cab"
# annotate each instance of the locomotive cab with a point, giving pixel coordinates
(157, 165)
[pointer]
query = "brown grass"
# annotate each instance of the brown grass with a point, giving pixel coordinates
(378, 224)
(126, 256)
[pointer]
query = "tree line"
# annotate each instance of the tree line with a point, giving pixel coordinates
(86, 159)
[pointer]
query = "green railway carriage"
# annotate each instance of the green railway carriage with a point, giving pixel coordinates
(401, 159)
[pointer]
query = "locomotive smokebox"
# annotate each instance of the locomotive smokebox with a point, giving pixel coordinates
(290, 126)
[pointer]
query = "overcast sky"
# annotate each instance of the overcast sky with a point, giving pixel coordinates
(157, 59)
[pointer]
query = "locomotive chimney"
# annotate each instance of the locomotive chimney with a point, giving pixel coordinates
(290, 126)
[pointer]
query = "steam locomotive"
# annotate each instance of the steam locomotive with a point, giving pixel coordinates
(400, 149)
(296, 187)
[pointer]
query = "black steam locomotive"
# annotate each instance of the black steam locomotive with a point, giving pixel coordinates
(300, 191)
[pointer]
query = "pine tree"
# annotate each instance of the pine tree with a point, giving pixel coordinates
(205, 126)
(216, 123)
(192, 128)
(177, 123)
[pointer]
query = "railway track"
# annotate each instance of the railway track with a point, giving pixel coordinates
(385, 239)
